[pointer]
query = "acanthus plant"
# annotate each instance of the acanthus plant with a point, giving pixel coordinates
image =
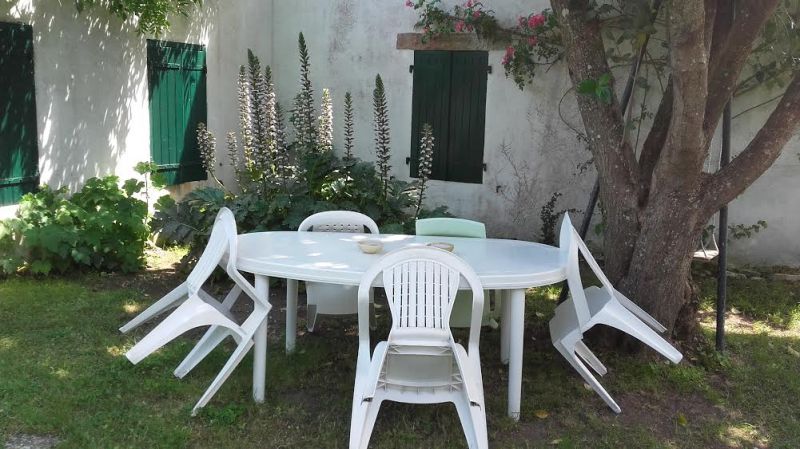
(325, 123)
(349, 126)
(382, 137)
(424, 164)
(303, 113)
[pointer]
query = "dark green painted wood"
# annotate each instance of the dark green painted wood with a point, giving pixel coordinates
(177, 87)
(450, 94)
(467, 116)
(19, 155)
(430, 104)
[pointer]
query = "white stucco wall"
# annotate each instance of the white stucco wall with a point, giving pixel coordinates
(93, 117)
(351, 41)
(91, 81)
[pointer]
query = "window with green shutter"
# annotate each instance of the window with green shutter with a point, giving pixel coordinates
(177, 87)
(450, 94)
(19, 154)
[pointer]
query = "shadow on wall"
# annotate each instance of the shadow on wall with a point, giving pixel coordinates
(91, 88)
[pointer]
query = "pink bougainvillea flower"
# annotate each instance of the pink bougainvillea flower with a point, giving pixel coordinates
(536, 20)
(409, 3)
(532, 41)
(469, 4)
(477, 14)
(459, 26)
(509, 55)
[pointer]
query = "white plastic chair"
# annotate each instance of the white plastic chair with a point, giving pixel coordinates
(197, 308)
(587, 307)
(332, 299)
(420, 363)
(459, 227)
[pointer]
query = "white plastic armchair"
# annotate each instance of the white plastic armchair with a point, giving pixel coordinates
(588, 307)
(331, 299)
(200, 309)
(420, 362)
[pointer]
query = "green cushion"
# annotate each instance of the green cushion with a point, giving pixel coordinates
(451, 227)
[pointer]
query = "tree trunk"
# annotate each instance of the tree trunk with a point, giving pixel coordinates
(655, 206)
(660, 265)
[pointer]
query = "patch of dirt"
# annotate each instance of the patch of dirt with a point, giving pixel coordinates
(24, 441)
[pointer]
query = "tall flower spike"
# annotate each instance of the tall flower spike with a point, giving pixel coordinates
(206, 143)
(245, 123)
(303, 113)
(381, 127)
(349, 131)
(270, 118)
(283, 167)
(233, 158)
(325, 130)
(259, 116)
(425, 163)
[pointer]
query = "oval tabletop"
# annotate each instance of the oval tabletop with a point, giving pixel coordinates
(336, 258)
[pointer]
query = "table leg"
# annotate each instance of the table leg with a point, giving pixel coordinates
(517, 325)
(291, 314)
(505, 324)
(260, 344)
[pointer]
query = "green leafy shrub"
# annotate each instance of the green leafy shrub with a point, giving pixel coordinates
(102, 227)
(329, 183)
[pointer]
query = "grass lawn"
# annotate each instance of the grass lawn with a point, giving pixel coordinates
(63, 374)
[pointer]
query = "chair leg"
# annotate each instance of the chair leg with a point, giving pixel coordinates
(621, 318)
(363, 421)
(192, 313)
(589, 357)
(473, 421)
(373, 320)
(573, 360)
(211, 339)
(169, 300)
(311, 317)
(223, 375)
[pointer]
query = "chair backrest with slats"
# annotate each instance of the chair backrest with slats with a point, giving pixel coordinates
(339, 221)
(421, 293)
(421, 284)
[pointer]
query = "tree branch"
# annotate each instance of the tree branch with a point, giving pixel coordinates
(586, 58)
(730, 181)
(682, 157)
(731, 54)
(651, 148)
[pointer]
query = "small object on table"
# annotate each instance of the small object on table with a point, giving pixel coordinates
(442, 245)
(370, 246)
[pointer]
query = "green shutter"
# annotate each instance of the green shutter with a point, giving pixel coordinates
(430, 104)
(450, 94)
(177, 86)
(19, 156)
(467, 116)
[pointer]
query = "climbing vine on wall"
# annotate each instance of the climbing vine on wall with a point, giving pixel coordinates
(151, 16)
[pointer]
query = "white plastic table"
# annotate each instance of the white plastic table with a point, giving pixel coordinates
(509, 266)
